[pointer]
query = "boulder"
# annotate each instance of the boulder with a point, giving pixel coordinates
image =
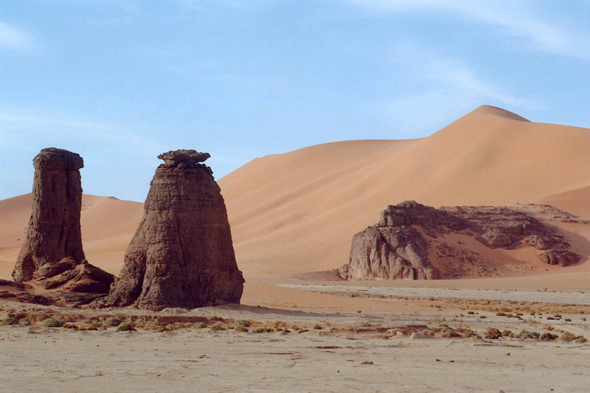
(182, 252)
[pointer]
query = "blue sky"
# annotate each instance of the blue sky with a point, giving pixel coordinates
(121, 81)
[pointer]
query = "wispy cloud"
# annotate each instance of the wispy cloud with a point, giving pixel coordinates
(233, 4)
(512, 17)
(21, 129)
(12, 38)
(450, 88)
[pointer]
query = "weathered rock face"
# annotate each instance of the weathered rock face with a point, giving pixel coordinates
(54, 227)
(182, 253)
(52, 254)
(389, 253)
(396, 249)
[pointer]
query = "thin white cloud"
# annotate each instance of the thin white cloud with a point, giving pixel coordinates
(514, 18)
(12, 38)
(17, 130)
(450, 88)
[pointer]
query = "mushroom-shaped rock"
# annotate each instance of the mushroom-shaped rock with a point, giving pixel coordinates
(182, 253)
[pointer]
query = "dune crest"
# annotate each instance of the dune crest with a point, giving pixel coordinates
(296, 212)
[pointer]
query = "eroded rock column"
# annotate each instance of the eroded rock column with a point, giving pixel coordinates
(53, 234)
(182, 253)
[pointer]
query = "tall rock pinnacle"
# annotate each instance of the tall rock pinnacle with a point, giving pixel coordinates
(182, 253)
(54, 227)
(52, 254)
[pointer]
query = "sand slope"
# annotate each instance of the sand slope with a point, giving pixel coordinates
(296, 212)
(107, 227)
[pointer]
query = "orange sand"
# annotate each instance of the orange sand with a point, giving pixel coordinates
(296, 212)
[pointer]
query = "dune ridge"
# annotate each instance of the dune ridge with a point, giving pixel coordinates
(296, 212)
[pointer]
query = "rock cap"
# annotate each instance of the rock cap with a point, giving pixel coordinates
(190, 157)
(54, 158)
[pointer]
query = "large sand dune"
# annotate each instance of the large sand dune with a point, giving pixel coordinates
(296, 212)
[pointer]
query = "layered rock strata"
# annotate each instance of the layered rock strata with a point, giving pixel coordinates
(52, 254)
(182, 253)
(396, 247)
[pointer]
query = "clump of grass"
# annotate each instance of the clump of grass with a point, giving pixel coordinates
(72, 326)
(501, 314)
(366, 324)
(242, 329)
(126, 327)
(257, 330)
(569, 337)
(175, 326)
(303, 331)
(548, 336)
(111, 322)
(318, 327)
(450, 334)
(493, 333)
(160, 329)
(151, 325)
(199, 325)
(469, 333)
(24, 322)
(93, 326)
(50, 322)
(507, 333)
(243, 322)
(527, 334)
(218, 326)
(9, 321)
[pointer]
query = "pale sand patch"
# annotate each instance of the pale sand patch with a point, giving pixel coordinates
(42, 360)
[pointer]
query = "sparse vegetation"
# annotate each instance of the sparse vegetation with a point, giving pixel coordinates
(9, 321)
(493, 333)
(126, 327)
(50, 322)
(218, 326)
(111, 322)
(548, 336)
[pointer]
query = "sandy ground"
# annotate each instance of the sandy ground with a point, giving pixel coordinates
(37, 359)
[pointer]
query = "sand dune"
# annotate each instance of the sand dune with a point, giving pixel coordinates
(107, 227)
(296, 212)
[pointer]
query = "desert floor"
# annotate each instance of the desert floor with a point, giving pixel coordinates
(383, 346)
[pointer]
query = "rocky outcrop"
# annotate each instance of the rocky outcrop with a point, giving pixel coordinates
(389, 253)
(182, 253)
(52, 254)
(396, 247)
